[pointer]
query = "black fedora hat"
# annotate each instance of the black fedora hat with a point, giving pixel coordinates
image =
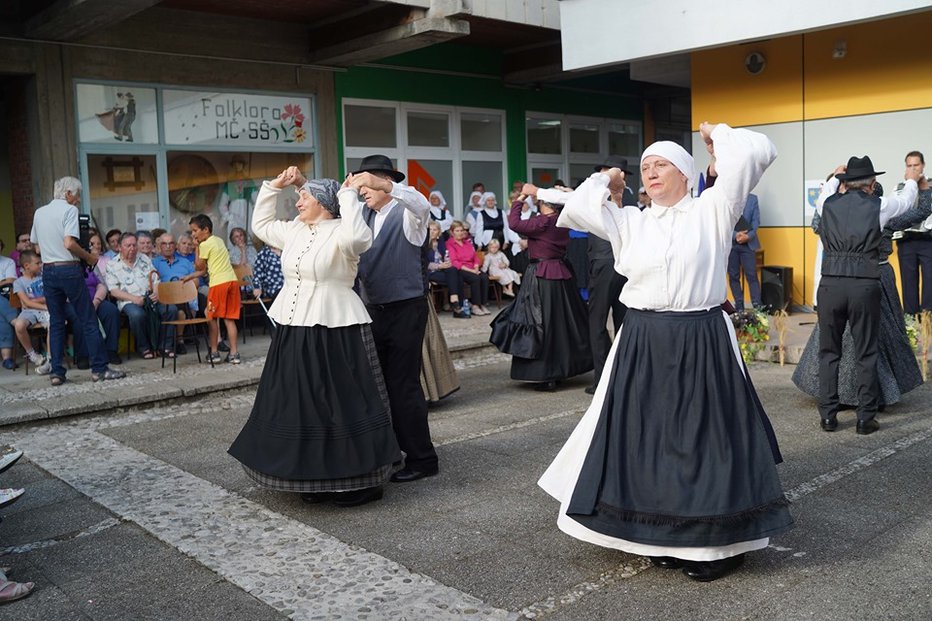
(858, 168)
(379, 163)
(614, 161)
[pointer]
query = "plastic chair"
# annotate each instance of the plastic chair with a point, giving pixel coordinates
(181, 294)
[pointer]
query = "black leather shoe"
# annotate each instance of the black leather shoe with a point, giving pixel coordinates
(707, 571)
(315, 498)
(829, 424)
(665, 562)
(550, 386)
(867, 427)
(406, 475)
(590, 390)
(358, 497)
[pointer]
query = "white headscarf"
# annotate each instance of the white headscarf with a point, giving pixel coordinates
(487, 196)
(676, 155)
(443, 202)
(480, 205)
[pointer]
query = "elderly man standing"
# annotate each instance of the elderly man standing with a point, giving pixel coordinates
(849, 291)
(55, 232)
(128, 281)
(392, 284)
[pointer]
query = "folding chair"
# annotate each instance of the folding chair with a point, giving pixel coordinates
(181, 294)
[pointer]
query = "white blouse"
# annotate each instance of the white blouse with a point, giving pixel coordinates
(318, 262)
(675, 256)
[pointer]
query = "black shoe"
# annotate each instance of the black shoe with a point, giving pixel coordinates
(867, 427)
(315, 498)
(707, 571)
(358, 497)
(590, 390)
(406, 474)
(114, 358)
(829, 424)
(83, 363)
(665, 562)
(550, 386)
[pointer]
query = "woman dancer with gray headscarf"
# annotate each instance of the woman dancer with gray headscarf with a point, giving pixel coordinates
(321, 423)
(675, 457)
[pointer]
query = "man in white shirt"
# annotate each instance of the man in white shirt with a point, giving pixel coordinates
(914, 251)
(393, 285)
(55, 232)
(849, 291)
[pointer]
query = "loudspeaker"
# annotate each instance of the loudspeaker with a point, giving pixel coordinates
(776, 287)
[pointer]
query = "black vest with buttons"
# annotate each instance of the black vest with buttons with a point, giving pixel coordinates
(851, 235)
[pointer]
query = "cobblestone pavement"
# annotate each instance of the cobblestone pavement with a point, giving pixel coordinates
(139, 513)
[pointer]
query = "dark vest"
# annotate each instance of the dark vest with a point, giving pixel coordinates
(851, 235)
(496, 225)
(391, 270)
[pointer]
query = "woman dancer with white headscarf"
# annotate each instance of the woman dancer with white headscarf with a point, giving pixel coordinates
(675, 458)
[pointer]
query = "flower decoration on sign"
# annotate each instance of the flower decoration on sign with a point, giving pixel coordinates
(752, 328)
(292, 124)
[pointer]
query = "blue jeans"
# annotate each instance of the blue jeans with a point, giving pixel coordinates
(140, 325)
(64, 283)
(109, 318)
(7, 314)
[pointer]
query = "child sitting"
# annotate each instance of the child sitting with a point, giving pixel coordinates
(29, 289)
(496, 265)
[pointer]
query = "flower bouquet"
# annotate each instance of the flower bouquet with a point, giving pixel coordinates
(752, 327)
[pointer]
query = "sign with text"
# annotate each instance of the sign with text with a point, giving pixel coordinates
(236, 119)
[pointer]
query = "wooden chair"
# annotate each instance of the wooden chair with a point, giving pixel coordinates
(245, 277)
(439, 295)
(496, 288)
(34, 331)
(181, 294)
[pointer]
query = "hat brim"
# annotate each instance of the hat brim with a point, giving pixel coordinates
(396, 175)
(847, 177)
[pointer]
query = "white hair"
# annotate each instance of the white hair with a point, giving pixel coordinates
(65, 185)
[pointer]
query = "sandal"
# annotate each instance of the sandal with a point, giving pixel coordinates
(167, 353)
(11, 591)
(148, 354)
(57, 380)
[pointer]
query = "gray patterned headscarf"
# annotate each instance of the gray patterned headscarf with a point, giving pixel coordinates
(325, 191)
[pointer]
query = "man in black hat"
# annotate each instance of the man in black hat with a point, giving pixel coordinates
(392, 284)
(849, 290)
(605, 283)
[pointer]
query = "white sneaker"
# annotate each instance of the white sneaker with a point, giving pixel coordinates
(36, 358)
(45, 368)
(9, 459)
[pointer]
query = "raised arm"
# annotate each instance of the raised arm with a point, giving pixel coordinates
(583, 210)
(264, 224)
(741, 157)
(354, 236)
(915, 214)
(417, 212)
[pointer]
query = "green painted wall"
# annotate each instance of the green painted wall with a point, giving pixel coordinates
(484, 88)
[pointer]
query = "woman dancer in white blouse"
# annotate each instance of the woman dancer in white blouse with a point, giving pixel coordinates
(321, 423)
(675, 458)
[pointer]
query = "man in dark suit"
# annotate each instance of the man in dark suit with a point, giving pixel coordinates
(849, 291)
(605, 283)
(743, 256)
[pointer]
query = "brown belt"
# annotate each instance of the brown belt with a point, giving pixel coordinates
(62, 263)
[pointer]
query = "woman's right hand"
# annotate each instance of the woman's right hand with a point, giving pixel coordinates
(290, 176)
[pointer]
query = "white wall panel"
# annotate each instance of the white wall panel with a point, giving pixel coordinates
(590, 28)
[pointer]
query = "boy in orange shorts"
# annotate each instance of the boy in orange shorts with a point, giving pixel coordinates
(223, 301)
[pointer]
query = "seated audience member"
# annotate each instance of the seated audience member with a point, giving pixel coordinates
(156, 233)
(185, 247)
(107, 312)
(128, 282)
(113, 243)
(267, 277)
(7, 313)
(241, 252)
(29, 289)
(464, 260)
(145, 244)
(169, 265)
(23, 243)
(439, 268)
(496, 264)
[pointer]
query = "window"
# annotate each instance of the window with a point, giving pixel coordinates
(123, 191)
(544, 136)
(441, 148)
(584, 139)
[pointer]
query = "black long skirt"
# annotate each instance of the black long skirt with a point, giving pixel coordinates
(683, 453)
(321, 420)
(897, 369)
(545, 329)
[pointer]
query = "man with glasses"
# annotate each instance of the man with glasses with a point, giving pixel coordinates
(22, 244)
(171, 266)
